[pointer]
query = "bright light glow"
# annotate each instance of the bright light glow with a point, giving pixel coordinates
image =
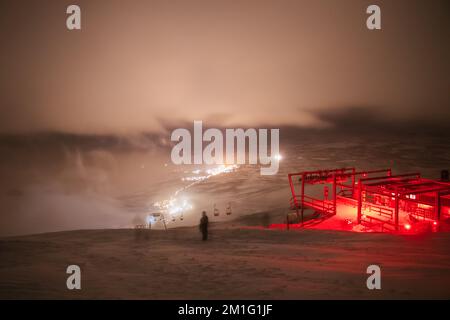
(194, 178)
(150, 219)
(221, 169)
(210, 173)
(407, 226)
(278, 157)
(177, 206)
(173, 206)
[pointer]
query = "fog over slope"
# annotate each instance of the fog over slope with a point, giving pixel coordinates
(52, 182)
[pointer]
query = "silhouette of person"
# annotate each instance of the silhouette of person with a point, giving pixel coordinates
(204, 226)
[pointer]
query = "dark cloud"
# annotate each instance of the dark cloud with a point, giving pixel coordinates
(371, 120)
(140, 66)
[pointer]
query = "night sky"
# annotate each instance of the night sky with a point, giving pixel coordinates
(137, 66)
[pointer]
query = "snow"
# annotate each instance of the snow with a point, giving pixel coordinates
(237, 263)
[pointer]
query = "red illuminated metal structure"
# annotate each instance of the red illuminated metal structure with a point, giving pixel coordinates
(373, 197)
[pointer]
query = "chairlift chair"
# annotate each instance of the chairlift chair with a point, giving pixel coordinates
(228, 210)
(216, 211)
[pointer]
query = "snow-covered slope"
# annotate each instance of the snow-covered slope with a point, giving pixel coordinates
(236, 263)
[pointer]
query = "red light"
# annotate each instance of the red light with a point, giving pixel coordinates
(407, 226)
(435, 223)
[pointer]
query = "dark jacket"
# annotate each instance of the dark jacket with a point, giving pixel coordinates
(203, 224)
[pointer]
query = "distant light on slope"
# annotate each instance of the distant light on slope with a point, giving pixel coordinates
(175, 207)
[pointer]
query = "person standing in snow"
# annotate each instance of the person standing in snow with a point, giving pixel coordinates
(204, 226)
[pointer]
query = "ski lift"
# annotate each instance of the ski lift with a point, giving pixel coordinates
(216, 211)
(181, 217)
(228, 210)
(173, 218)
(156, 217)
